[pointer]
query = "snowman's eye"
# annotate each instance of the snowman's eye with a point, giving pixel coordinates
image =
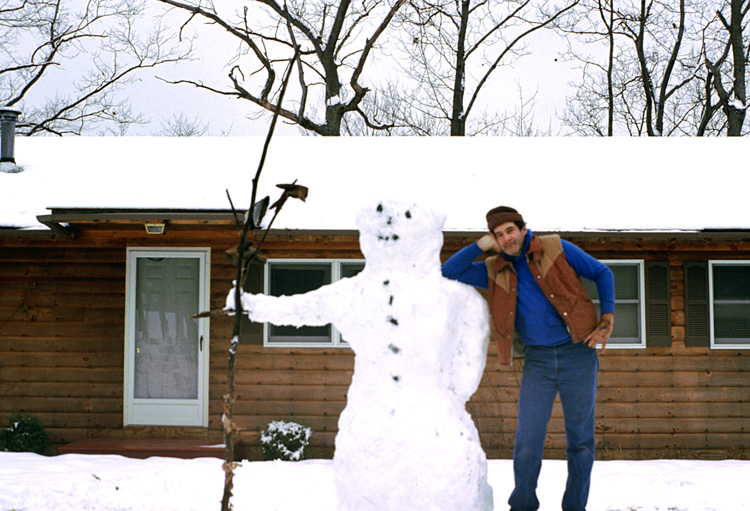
(408, 214)
(380, 208)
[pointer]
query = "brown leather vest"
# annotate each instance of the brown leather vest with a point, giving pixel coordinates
(559, 282)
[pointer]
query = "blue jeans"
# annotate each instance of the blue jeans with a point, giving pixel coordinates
(570, 370)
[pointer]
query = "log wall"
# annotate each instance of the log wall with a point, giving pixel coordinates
(61, 354)
(62, 317)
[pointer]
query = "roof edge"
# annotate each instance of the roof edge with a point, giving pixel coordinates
(634, 233)
(25, 232)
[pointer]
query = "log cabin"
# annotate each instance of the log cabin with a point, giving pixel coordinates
(109, 245)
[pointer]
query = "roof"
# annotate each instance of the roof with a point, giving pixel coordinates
(569, 185)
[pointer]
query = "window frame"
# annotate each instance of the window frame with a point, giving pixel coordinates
(641, 265)
(712, 301)
(336, 274)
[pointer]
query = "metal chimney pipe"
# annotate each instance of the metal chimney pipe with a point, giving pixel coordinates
(8, 118)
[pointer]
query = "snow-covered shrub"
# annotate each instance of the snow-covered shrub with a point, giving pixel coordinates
(23, 433)
(286, 441)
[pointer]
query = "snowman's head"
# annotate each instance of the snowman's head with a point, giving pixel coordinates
(395, 234)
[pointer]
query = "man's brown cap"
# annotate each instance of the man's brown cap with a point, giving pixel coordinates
(500, 215)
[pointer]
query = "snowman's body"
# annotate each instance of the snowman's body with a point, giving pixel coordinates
(405, 440)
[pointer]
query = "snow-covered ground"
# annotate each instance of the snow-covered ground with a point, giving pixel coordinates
(29, 482)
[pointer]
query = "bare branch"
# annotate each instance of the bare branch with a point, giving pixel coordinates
(510, 47)
(370, 44)
(322, 59)
(101, 38)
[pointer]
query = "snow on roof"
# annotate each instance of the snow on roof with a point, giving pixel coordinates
(558, 184)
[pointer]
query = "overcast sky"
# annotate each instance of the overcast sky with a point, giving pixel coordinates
(542, 72)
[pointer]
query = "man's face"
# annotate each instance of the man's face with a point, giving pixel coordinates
(510, 238)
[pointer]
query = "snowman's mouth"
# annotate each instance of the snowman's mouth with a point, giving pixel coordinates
(388, 238)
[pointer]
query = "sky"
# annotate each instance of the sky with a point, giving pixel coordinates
(542, 72)
(72, 482)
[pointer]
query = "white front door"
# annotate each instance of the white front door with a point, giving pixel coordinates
(166, 351)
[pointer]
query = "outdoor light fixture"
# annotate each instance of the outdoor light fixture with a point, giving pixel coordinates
(156, 228)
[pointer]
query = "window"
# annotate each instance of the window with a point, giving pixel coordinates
(289, 277)
(729, 288)
(630, 309)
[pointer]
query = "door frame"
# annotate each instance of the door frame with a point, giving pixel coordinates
(182, 412)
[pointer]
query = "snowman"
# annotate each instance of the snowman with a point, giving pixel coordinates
(405, 440)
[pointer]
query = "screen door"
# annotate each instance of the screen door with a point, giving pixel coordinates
(166, 350)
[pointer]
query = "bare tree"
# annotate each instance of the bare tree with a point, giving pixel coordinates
(734, 54)
(337, 41)
(590, 112)
(181, 126)
(647, 62)
(396, 107)
(642, 29)
(590, 36)
(62, 62)
(660, 67)
(455, 47)
(520, 123)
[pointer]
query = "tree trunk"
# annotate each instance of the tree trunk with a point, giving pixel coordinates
(458, 116)
(610, 66)
(735, 115)
(648, 88)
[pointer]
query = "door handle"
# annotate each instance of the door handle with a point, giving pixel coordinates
(200, 343)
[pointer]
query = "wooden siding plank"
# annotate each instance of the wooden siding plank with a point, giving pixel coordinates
(660, 363)
(684, 410)
(251, 393)
(51, 390)
(94, 359)
(40, 405)
(61, 375)
(673, 379)
(669, 395)
(300, 378)
(276, 362)
(59, 345)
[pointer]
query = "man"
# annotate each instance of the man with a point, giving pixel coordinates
(535, 290)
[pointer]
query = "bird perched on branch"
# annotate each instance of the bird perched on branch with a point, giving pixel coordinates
(290, 190)
(248, 255)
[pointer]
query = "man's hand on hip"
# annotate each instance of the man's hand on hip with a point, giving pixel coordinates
(601, 333)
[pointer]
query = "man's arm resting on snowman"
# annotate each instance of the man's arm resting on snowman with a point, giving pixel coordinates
(461, 267)
(314, 308)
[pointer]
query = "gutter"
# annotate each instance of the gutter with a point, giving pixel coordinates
(19, 233)
(76, 215)
(61, 222)
(709, 234)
